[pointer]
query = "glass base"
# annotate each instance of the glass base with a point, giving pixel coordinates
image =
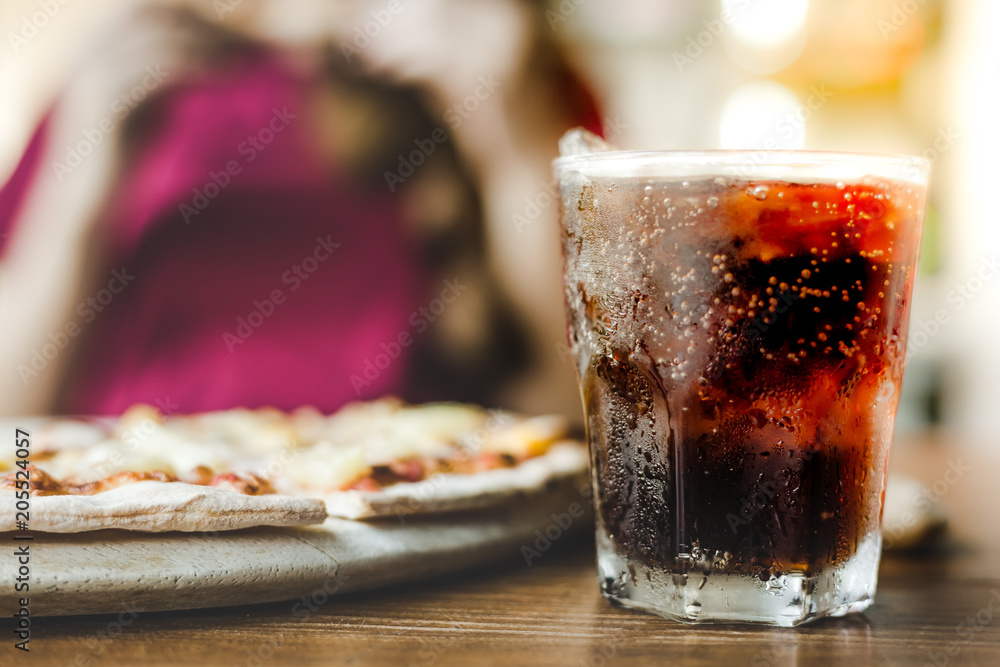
(718, 597)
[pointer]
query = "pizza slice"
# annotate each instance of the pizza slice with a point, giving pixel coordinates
(134, 474)
(385, 458)
(237, 468)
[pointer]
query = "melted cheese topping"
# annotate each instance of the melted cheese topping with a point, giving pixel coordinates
(303, 449)
(145, 447)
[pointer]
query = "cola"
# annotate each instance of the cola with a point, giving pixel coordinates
(740, 346)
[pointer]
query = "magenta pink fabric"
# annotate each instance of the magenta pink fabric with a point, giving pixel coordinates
(199, 327)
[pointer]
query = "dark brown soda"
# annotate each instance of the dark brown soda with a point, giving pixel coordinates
(770, 457)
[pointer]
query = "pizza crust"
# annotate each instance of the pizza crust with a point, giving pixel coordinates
(163, 506)
(451, 493)
(301, 455)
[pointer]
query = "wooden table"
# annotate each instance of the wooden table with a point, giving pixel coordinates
(552, 614)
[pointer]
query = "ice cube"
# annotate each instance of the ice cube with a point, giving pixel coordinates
(579, 141)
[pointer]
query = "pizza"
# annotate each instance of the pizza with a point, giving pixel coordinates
(88, 474)
(233, 469)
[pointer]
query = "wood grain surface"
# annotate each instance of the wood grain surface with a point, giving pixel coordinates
(938, 605)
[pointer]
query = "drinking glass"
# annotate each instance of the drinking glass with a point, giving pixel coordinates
(739, 320)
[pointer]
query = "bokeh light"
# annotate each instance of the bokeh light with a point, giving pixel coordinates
(763, 114)
(766, 24)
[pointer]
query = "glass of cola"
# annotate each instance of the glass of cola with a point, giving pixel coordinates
(739, 321)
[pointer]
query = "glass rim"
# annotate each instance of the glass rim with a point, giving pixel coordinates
(717, 162)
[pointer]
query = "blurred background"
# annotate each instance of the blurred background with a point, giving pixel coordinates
(500, 79)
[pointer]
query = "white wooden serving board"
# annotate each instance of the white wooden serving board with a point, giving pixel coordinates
(103, 571)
